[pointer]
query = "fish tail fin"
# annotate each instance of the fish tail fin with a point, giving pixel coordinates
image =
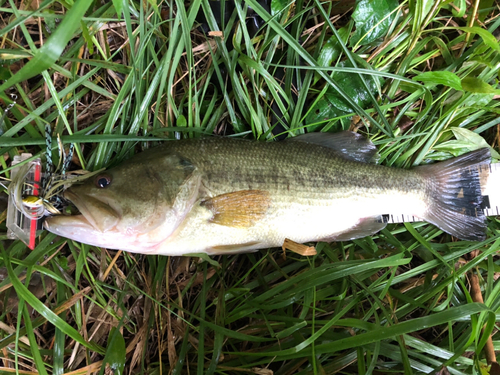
(454, 195)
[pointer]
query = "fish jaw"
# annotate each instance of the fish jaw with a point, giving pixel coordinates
(96, 224)
(78, 228)
(101, 215)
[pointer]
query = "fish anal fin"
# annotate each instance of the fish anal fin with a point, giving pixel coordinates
(365, 227)
(239, 209)
(349, 145)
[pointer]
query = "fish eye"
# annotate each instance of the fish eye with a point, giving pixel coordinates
(102, 181)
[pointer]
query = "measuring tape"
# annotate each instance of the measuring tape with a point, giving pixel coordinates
(490, 190)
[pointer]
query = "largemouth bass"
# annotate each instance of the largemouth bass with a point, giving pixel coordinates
(223, 195)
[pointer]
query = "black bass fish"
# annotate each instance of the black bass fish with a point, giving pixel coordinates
(225, 195)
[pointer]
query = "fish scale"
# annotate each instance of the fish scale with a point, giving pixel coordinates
(293, 165)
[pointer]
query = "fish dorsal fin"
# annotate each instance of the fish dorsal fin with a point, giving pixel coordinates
(239, 209)
(365, 227)
(348, 144)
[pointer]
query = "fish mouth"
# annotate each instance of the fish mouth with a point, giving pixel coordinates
(78, 228)
(60, 224)
(75, 227)
(97, 224)
(84, 217)
(94, 214)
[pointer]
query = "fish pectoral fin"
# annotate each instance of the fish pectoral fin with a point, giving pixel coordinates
(365, 227)
(347, 144)
(239, 209)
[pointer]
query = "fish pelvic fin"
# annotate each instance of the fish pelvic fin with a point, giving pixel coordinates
(239, 209)
(454, 195)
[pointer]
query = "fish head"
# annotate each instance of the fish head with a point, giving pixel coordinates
(133, 207)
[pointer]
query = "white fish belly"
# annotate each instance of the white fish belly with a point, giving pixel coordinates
(300, 220)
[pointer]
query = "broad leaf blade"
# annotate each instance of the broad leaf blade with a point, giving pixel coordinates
(478, 86)
(440, 78)
(373, 19)
(115, 353)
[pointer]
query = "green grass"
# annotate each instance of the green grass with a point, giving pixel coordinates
(117, 77)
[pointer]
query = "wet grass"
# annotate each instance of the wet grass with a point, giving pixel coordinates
(117, 77)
